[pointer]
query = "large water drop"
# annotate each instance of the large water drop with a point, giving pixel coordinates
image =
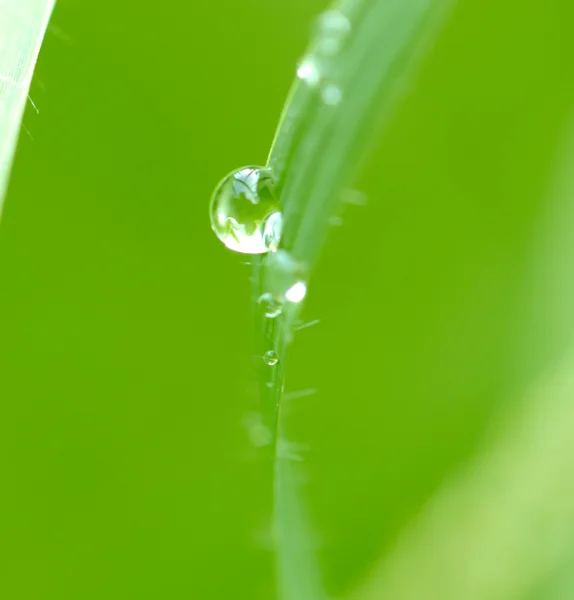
(245, 212)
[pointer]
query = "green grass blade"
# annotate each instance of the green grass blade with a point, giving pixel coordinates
(297, 567)
(22, 27)
(318, 147)
(317, 150)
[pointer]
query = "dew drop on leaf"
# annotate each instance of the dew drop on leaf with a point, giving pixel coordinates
(245, 212)
(271, 306)
(270, 358)
(285, 278)
(331, 94)
(334, 23)
(333, 29)
(309, 71)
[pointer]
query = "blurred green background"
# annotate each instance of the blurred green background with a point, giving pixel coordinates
(126, 334)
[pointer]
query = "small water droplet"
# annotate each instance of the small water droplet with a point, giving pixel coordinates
(331, 94)
(285, 277)
(270, 358)
(309, 72)
(296, 292)
(333, 28)
(334, 23)
(271, 305)
(245, 211)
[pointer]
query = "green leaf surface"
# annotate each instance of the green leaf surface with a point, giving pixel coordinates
(324, 133)
(22, 27)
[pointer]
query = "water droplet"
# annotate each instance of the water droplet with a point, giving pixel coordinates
(245, 212)
(333, 28)
(296, 292)
(331, 94)
(334, 23)
(309, 72)
(272, 229)
(285, 277)
(271, 358)
(271, 305)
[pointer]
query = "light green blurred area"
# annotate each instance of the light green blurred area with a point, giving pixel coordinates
(126, 335)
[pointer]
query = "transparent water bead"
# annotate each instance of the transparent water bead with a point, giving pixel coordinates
(245, 212)
(271, 358)
(271, 305)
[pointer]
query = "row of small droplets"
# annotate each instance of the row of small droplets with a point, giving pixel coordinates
(286, 282)
(318, 68)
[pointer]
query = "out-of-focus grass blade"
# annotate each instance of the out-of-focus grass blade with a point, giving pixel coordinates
(22, 27)
(499, 530)
(326, 126)
(495, 533)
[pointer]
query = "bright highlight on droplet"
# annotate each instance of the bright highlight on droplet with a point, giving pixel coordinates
(245, 211)
(296, 292)
(309, 72)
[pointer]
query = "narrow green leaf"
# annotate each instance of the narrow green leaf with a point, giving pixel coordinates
(356, 66)
(22, 27)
